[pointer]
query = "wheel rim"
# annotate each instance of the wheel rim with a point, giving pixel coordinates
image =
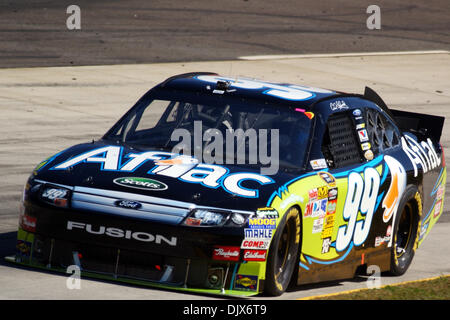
(404, 231)
(283, 249)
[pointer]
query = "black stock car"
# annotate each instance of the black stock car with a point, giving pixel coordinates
(348, 183)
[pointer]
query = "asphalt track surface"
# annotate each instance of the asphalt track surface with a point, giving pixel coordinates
(34, 33)
(44, 110)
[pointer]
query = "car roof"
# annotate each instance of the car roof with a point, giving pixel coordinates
(269, 92)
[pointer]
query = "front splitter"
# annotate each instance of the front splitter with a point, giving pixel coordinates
(214, 292)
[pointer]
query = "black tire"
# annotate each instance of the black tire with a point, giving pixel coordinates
(283, 253)
(405, 233)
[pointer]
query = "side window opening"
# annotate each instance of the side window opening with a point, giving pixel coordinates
(340, 145)
(382, 133)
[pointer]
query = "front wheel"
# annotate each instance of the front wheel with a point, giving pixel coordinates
(283, 253)
(405, 231)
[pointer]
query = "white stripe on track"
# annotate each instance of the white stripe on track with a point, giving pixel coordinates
(335, 55)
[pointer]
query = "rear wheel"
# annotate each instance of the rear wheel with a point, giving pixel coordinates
(405, 232)
(283, 253)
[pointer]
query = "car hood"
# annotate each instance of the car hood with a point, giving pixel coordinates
(115, 167)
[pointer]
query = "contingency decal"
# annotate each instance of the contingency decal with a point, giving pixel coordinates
(318, 164)
(259, 233)
(436, 209)
(246, 282)
(267, 212)
(181, 167)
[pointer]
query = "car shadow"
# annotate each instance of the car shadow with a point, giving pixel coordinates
(326, 284)
(7, 245)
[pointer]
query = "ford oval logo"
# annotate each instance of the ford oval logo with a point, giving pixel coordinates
(128, 204)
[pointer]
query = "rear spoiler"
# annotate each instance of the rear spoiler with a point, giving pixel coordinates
(417, 123)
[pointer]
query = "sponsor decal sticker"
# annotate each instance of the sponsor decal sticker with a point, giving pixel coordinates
(389, 231)
(331, 208)
(267, 212)
(255, 255)
(422, 154)
(317, 225)
(140, 183)
(313, 194)
(328, 225)
(368, 155)
(28, 223)
(423, 230)
(226, 253)
(55, 196)
(357, 113)
(255, 244)
(246, 282)
(319, 208)
(258, 233)
(360, 126)
(366, 146)
(332, 194)
(328, 178)
(23, 247)
(362, 134)
(309, 209)
(437, 208)
(326, 243)
(190, 221)
(318, 164)
(338, 105)
(440, 192)
(258, 223)
(381, 240)
(326, 233)
(183, 168)
(322, 192)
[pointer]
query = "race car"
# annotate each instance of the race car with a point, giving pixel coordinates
(183, 193)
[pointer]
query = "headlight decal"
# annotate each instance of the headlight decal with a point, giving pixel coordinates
(213, 218)
(56, 196)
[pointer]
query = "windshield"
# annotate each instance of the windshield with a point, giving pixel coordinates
(218, 129)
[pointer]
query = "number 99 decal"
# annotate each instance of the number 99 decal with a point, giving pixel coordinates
(361, 197)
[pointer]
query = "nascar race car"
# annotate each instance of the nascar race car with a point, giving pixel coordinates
(182, 192)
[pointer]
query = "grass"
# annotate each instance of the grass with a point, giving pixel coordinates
(433, 289)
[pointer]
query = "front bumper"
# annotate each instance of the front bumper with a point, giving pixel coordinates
(135, 251)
